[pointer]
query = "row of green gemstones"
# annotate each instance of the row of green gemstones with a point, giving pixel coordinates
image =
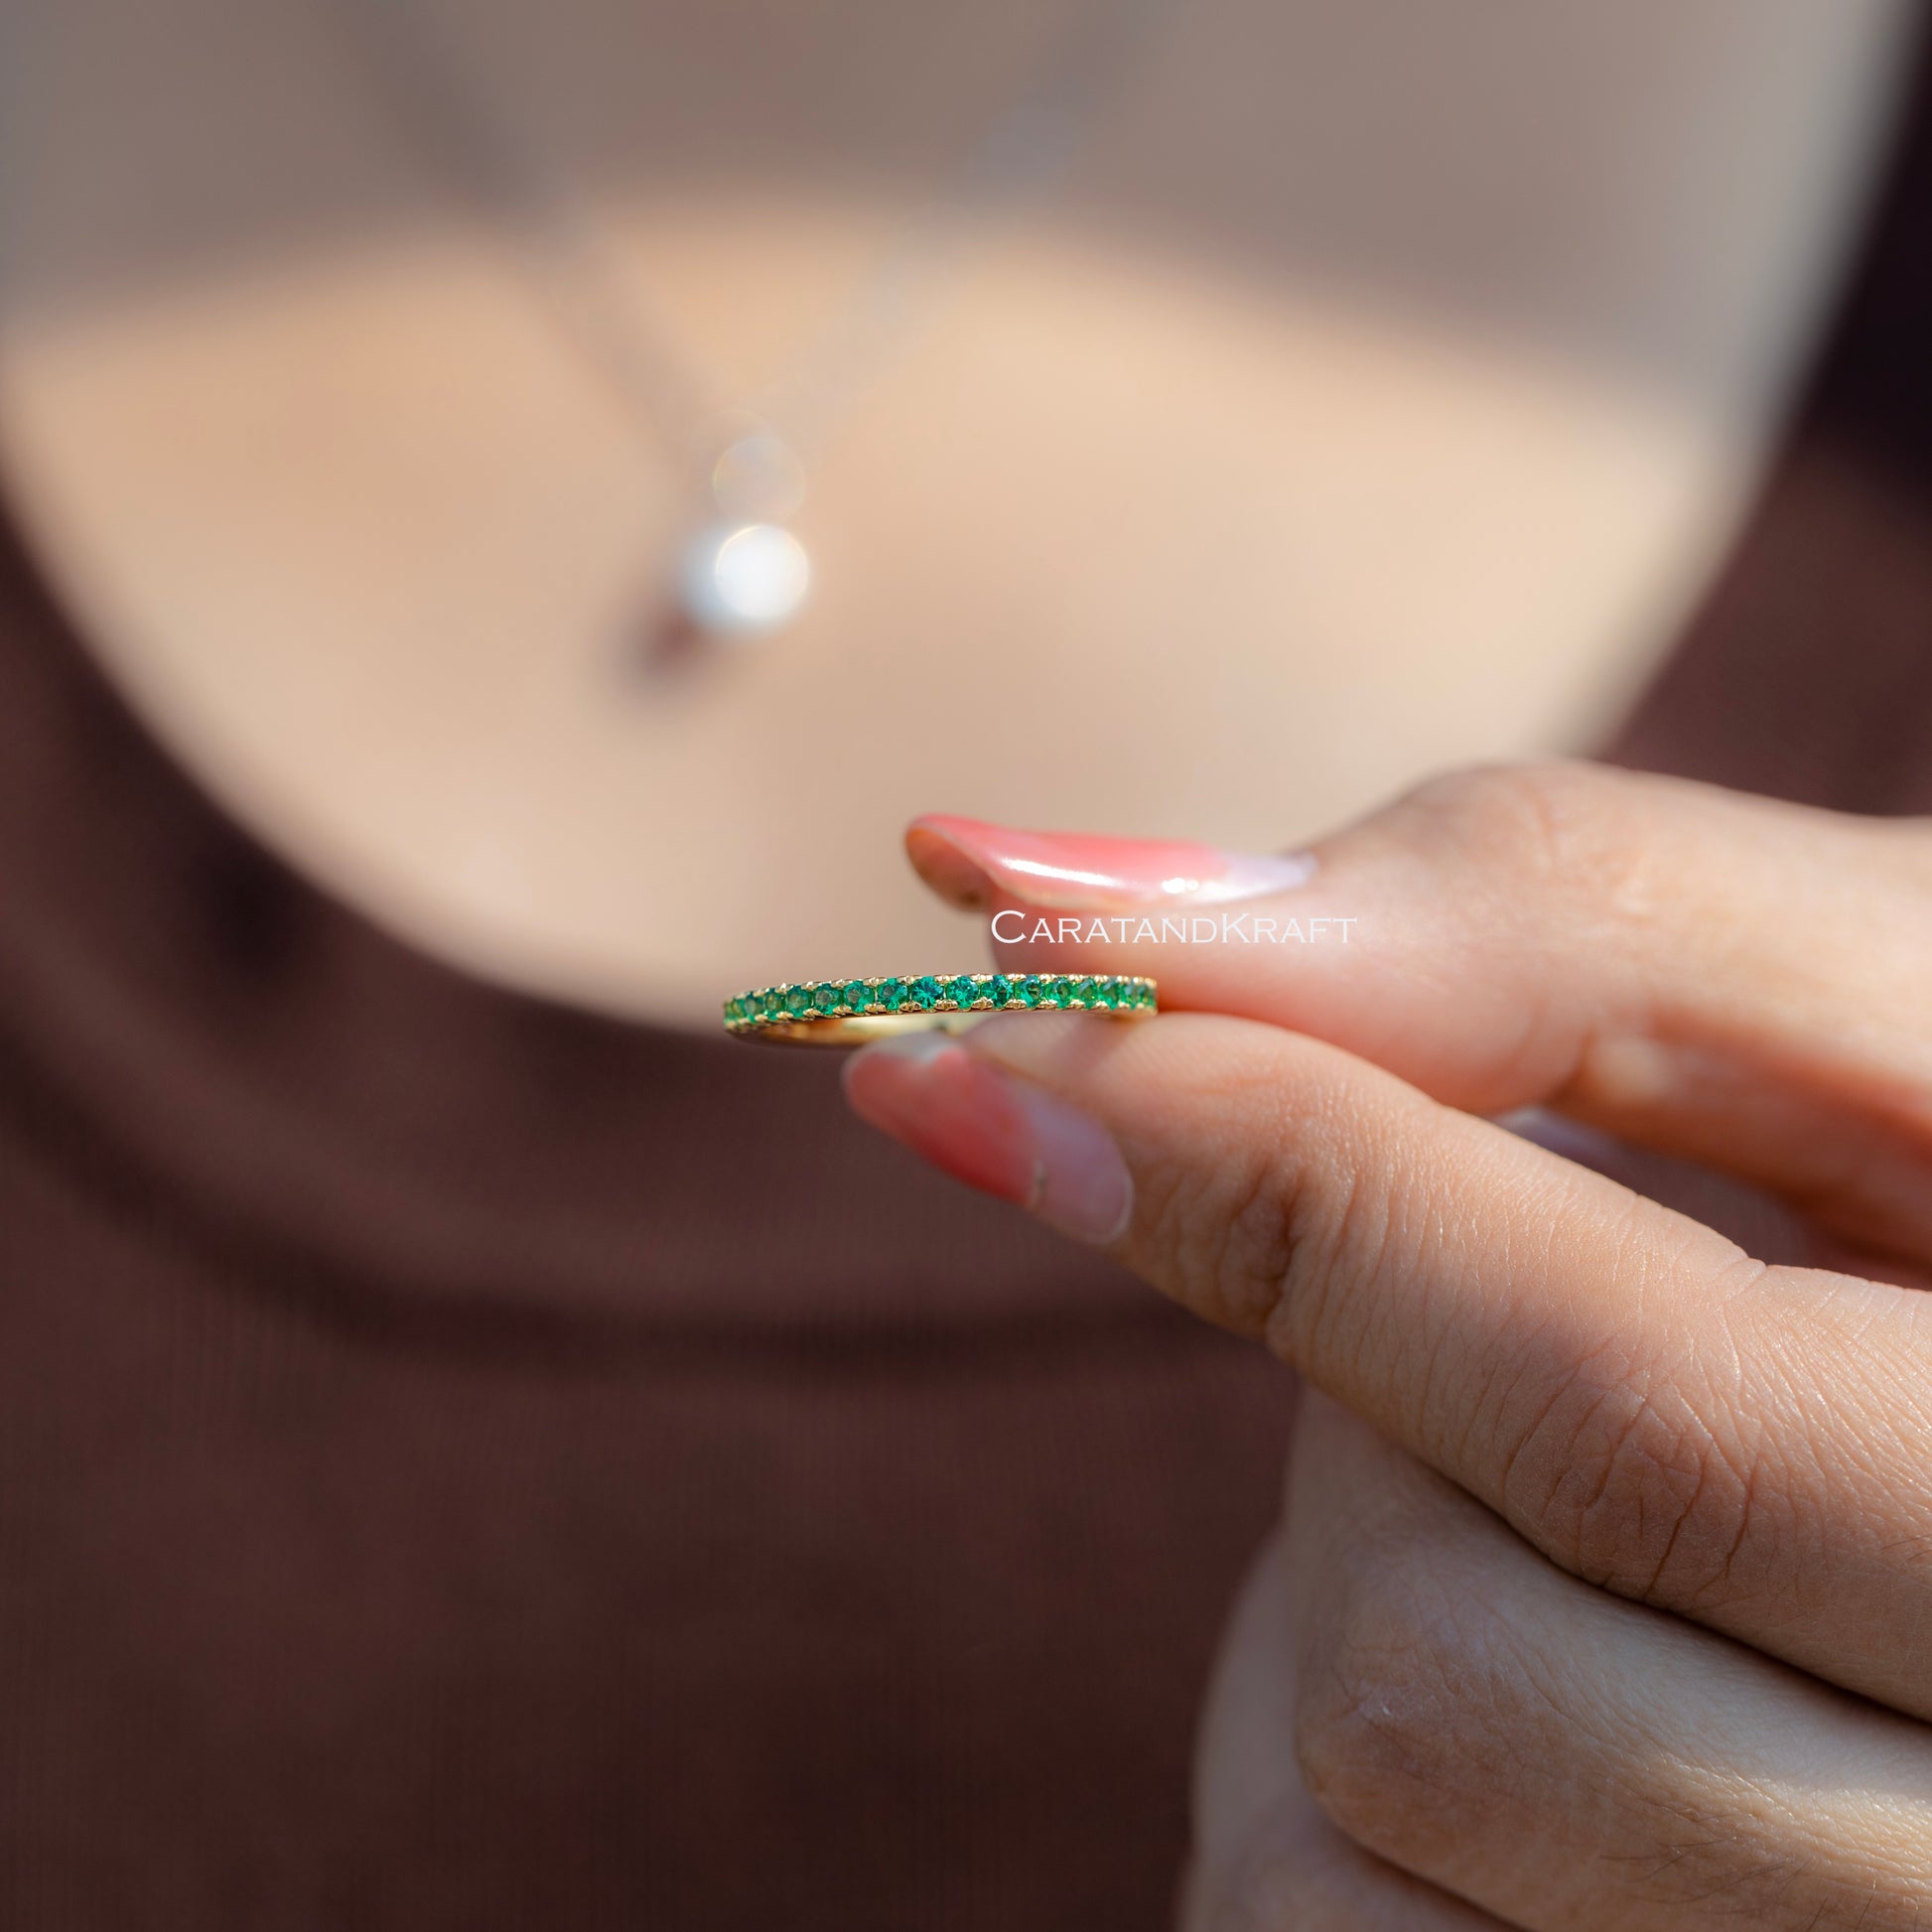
(828, 1000)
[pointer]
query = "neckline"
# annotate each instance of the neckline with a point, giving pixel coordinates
(249, 1074)
(261, 1080)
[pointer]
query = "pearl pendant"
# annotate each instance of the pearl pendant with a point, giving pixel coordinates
(741, 580)
(746, 573)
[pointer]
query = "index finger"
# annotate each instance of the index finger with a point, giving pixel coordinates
(1655, 1411)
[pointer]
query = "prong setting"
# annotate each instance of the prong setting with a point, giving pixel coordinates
(793, 1008)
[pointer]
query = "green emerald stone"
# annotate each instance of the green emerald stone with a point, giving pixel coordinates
(856, 995)
(797, 998)
(750, 1004)
(1002, 990)
(890, 994)
(1026, 991)
(825, 997)
(1062, 992)
(1086, 992)
(962, 991)
(925, 993)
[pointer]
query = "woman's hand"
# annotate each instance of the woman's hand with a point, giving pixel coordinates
(1605, 1598)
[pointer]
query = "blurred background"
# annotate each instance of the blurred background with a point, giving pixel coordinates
(505, 509)
(1220, 414)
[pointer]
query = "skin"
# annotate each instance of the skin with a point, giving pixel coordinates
(1556, 1635)
(1369, 397)
(1599, 1597)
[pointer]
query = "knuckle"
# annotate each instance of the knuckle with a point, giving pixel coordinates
(1349, 1232)
(1260, 1237)
(1564, 860)
(1224, 1234)
(1632, 1490)
(1394, 1724)
(1563, 852)
(1532, 820)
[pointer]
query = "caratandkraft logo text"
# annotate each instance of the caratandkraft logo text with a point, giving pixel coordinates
(1009, 928)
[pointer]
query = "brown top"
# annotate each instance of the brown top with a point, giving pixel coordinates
(465, 1464)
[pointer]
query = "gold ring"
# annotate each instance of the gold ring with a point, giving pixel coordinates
(848, 1013)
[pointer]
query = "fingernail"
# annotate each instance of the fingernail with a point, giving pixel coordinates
(995, 1132)
(964, 860)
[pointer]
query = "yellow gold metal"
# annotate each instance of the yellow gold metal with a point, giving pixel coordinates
(848, 1013)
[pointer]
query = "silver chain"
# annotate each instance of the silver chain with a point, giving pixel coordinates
(592, 296)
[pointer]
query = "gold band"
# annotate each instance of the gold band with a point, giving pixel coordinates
(848, 1013)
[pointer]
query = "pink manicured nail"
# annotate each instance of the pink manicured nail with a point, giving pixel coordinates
(962, 859)
(994, 1132)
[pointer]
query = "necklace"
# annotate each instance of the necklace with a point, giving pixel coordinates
(743, 571)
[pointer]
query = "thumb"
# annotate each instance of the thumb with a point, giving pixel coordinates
(1728, 979)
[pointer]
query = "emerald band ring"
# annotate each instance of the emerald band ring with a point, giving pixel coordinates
(847, 1013)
